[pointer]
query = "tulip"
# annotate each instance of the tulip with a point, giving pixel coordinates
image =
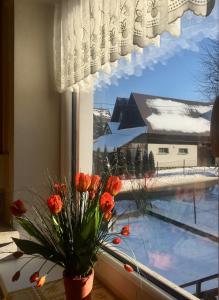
(82, 182)
(117, 241)
(107, 215)
(125, 230)
(34, 277)
(18, 208)
(91, 195)
(113, 185)
(16, 276)
(41, 281)
(60, 188)
(106, 202)
(55, 204)
(128, 268)
(95, 183)
(18, 254)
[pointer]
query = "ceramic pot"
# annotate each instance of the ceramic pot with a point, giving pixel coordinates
(78, 288)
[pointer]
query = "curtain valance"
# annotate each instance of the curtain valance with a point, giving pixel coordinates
(89, 35)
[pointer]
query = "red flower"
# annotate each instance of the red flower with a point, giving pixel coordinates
(41, 281)
(60, 188)
(117, 241)
(128, 268)
(113, 185)
(107, 215)
(18, 208)
(82, 182)
(18, 254)
(125, 230)
(55, 204)
(34, 277)
(91, 195)
(16, 276)
(95, 183)
(106, 202)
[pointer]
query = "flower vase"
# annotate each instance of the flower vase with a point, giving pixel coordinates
(78, 288)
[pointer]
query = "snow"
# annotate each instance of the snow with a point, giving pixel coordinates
(173, 252)
(118, 138)
(113, 126)
(176, 116)
(101, 112)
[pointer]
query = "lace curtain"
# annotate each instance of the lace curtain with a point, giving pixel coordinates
(90, 35)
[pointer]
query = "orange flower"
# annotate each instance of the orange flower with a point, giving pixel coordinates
(113, 185)
(82, 182)
(125, 230)
(16, 276)
(18, 208)
(55, 204)
(106, 202)
(60, 188)
(117, 241)
(18, 254)
(128, 268)
(95, 183)
(107, 215)
(34, 277)
(41, 281)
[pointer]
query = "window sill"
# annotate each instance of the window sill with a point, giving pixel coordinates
(132, 286)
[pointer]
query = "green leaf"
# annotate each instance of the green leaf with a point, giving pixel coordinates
(30, 248)
(32, 230)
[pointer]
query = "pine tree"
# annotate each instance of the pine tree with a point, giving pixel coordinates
(112, 156)
(122, 164)
(129, 161)
(138, 162)
(106, 164)
(99, 162)
(151, 161)
(145, 163)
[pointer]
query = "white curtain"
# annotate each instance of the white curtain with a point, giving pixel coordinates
(90, 35)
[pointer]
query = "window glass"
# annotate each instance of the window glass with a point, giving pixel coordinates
(183, 151)
(163, 150)
(155, 105)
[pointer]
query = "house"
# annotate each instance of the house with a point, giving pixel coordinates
(176, 131)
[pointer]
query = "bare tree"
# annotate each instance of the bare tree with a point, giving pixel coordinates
(209, 78)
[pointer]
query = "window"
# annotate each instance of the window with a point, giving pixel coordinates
(174, 222)
(183, 151)
(163, 150)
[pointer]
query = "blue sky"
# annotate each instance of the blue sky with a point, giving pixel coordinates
(172, 70)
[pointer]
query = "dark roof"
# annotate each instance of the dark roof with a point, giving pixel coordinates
(140, 108)
(119, 108)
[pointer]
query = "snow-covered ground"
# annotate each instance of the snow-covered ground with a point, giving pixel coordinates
(177, 254)
(173, 177)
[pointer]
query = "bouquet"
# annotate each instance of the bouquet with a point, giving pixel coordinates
(70, 226)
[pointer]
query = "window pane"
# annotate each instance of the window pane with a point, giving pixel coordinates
(157, 140)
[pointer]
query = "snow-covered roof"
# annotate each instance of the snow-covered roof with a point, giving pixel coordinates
(169, 115)
(113, 126)
(118, 138)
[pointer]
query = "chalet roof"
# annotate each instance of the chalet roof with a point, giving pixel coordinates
(164, 115)
(119, 108)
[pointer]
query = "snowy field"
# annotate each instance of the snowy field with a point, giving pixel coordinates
(173, 177)
(175, 253)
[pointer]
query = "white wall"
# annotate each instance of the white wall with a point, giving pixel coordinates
(173, 158)
(36, 107)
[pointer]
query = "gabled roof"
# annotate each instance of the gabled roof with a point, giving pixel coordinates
(164, 115)
(118, 108)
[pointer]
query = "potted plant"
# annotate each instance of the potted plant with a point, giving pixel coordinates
(69, 228)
